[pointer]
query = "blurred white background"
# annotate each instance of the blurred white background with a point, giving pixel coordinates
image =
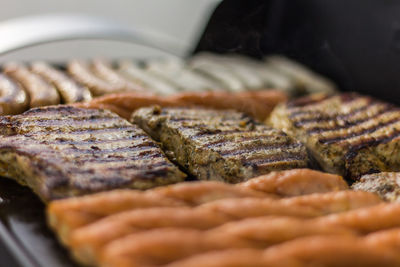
(182, 20)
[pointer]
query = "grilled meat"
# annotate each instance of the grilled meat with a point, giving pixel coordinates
(61, 151)
(152, 83)
(258, 104)
(347, 134)
(100, 78)
(41, 93)
(69, 90)
(303, 78)
(220, 145)
(13, 98)
(296, 182)
(175, 72)
(69, 214)
(104, 70)
(385, 184)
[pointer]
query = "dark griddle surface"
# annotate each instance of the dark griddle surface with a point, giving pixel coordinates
(24, 234)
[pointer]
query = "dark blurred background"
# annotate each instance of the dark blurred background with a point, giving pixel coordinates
(356, 43)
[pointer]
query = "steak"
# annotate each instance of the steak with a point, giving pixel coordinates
(220, 145)
(62, 151)
(347, 134)
(385, 184)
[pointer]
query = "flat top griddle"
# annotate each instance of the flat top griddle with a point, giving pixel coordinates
(25, 239)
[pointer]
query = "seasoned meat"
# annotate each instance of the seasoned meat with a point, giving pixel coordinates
(243, 257)
(69, 90)
(334, 251)
(296, 182)
(102, 232)
(132, 71)
(176, 73)
(168, 245)
(326, 251)
(303, 206)
(69, 214)
(303, 78)
(367, 219)
(13, 98)
(220, 145)
(389, 237)
(87, 242)
(347, 134)
(40, 92)
(100, 78)
(62, 151)
(258, 104)
(104, 70)
(385, 184)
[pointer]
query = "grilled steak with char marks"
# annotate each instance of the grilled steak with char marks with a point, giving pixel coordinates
(348, 134)
(220, 145)
(62, 151)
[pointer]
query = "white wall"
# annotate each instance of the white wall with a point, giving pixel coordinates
(180, 19)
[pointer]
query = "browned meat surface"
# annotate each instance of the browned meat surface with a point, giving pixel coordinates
(368, 219)
(389, 238)
(255, 233)
(302, 206)
(61, 151)
(330, 251)
(226, 258)
(87, 241)
(296, 182)
(13, 98)
(385, 184)
(104, 70)
(40, 92)
(69, 214)
(70, 91)
(257, 104)
(220, 145)
(347, 134)
(99, 77)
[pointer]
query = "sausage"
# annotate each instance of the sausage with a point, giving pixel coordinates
(40, 92)
(69, 90)
(13, 98)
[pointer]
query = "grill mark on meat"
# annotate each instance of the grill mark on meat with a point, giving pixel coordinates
(321, 105)
(138, 147)
(332, 117)
(301, 102)
(352, 123)
(213, 138)
(73, 152)
(125, 155)
(234, 139)
(85, 151)
(260, 147)
(155, 154)
(273, 159)
(57, 110)
(363, 137)
(146, 167)
(370, 142)
(67, 122)
(89, 126)
(63, 114)
(212, 132)
(63, 140)
(124, 165)
(80, 131)
(369, 130)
